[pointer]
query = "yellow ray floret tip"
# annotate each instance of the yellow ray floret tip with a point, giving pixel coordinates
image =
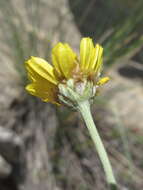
(63, 58)
(40, 68)
(103, 81)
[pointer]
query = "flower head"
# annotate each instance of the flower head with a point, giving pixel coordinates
(68, 73)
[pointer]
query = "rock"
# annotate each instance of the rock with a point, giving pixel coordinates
(5, 168)
(10, 145)
(124, 95)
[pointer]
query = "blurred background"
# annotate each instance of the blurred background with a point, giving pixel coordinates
(44, 147)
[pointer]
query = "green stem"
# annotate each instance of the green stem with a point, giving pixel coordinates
(84, 108)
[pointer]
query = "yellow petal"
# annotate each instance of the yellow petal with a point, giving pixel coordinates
(63, 59)
(96, 62)
(38, 68)
(32, 75)
(86, 51)
(103, 81)
(44, 90)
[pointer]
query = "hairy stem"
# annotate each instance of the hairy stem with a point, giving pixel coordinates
(84, 108)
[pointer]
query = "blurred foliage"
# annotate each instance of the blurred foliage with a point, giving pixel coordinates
(115, 24)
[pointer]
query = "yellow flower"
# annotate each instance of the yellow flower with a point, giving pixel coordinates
(45, 79)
